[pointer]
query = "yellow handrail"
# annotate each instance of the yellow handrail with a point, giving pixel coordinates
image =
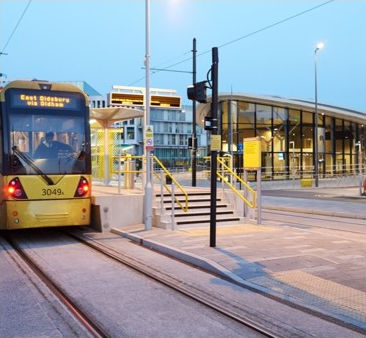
(233, 188)
(167, 173)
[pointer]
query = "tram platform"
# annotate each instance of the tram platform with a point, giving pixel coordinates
(317, 266)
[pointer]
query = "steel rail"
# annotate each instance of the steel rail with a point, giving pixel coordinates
(80, 315)
(310, 217)
(232, 311)
(188, 290)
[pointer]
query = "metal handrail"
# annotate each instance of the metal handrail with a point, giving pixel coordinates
(233, 188)
(167, 173)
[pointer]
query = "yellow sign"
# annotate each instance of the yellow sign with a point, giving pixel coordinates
(149, 133)
(252, 153)
(216, 142)
(149, 138)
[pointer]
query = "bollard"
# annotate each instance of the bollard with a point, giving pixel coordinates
(129, 176)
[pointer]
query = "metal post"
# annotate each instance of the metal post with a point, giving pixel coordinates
(119, 173)
(359, 157)
(223, 177)
(316, 155)
(259, 196)
(245, 193)
(173, 208)
(106, 155)
(293, 169)
(194, 133)
(161, 193)
(214, 106)
(148, 186)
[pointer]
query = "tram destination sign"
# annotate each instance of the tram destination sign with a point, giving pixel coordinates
(49, 100)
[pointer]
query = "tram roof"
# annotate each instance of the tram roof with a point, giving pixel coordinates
(299, 104)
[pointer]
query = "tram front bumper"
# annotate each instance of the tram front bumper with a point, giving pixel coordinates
(49, 213)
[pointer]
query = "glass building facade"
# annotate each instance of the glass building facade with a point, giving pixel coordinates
(286, 129)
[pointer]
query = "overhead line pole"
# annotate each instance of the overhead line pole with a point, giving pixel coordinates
(148, 183)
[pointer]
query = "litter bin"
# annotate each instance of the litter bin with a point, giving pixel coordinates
(130, 165)
(168, 179)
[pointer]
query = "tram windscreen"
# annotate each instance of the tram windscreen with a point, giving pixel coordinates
(42, 141)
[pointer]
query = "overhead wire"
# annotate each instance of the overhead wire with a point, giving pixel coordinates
(242, 37)
(16, 26)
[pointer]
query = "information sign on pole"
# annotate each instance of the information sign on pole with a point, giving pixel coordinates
(252, 153)
(240, 148)
(252, 161)
(149, 138)
(215, 142)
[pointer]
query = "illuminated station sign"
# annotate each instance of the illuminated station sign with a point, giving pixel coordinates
(137, 100)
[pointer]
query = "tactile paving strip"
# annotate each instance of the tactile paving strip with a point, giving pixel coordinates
(318, 292)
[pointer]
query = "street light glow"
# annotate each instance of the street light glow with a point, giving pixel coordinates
(319, 45)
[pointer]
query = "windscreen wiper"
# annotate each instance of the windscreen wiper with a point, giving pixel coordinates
(30, 162)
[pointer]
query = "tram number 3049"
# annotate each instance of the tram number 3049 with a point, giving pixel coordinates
(52, 192)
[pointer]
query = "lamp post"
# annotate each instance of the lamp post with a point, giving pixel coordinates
(319, 46)
(148, 184)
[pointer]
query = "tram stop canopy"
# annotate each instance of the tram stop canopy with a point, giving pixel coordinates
(107, 116)
(103, 118)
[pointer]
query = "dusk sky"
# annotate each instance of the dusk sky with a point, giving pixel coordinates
(103, 42)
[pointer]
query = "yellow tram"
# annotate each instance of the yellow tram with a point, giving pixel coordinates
(45, 166)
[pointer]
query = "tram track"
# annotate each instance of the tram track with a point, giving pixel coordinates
(93, 327)
(216, 302)
(177, 285)
(82, 318)
(287, 216)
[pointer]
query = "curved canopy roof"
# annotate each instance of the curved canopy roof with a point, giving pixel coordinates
(107, 116)
(352, 115)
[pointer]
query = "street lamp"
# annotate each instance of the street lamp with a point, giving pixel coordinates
(319, 46)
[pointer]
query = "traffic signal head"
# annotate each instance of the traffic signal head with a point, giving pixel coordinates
(210, 123)
(197, 92)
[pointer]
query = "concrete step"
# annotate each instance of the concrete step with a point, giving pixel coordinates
(192, 200)
(207, 220)
(202, 213)
(189, 194)
(197, 206)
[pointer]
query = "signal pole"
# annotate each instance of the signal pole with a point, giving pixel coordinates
(194, 134)
(214, 108)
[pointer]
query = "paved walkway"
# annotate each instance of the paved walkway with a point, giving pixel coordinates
(312, 267)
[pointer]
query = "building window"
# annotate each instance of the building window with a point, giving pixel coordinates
(339, 136)
(130, 133)
(246, 120)
(307, 132)
(264, 126)
(279, 129)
